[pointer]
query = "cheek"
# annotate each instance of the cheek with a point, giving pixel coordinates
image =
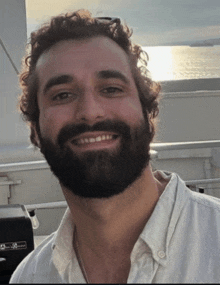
(131, 111)
(52, 120)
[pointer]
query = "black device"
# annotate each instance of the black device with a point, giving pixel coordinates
(16, 238)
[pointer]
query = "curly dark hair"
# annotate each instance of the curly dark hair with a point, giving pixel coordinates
(81, 25)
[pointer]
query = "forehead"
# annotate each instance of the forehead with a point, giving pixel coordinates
(92, 54)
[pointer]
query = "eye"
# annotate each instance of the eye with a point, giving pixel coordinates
(63, 96)
(112, 91)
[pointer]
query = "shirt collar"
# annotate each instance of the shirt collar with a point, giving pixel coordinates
(155, 236)
(63, 252)
(159, 229)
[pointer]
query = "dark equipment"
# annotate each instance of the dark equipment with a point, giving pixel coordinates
(16, 238)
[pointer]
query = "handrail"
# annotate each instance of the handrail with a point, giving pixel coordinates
(203, 181)
(155, 147)
(185, 145)
(49, 205)
(20, 166)
(63, 204)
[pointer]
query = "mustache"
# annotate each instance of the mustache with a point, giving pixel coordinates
(71, 130)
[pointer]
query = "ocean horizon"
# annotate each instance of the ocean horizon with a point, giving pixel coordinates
(171, 63)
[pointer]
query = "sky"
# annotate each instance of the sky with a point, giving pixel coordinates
(154, 22)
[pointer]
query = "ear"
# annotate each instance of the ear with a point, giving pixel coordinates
(34, 137)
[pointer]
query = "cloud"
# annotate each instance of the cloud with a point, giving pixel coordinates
(177, 35)
(154, 21)
(42, 9)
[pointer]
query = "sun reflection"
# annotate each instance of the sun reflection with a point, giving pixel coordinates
(160, 62)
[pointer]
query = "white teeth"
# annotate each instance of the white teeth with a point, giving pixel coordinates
(97, 139)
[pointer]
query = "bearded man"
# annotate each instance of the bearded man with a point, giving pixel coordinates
(91, 110)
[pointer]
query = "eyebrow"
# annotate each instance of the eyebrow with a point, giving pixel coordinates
(106, 74)
(103, 74)
(57, 80)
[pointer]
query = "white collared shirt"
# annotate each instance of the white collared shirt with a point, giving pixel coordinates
(179, 244)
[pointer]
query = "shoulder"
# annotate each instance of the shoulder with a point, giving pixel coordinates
(201, 211)
(195, 205)
(204, 201)
(38, 259)
(185, 194)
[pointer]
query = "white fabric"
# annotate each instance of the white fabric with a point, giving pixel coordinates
(179, 244)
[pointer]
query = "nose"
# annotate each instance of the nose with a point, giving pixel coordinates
(90, 108)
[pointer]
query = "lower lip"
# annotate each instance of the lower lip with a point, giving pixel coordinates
(105, 144)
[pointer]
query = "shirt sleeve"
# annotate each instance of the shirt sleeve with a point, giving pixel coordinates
(18, 273)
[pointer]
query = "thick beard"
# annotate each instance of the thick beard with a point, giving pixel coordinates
(104, 173)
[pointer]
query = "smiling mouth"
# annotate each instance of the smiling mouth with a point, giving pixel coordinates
(94, 139)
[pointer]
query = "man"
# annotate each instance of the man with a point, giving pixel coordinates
(91, 111)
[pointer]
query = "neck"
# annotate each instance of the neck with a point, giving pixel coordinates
(102, 219)
(107, 229)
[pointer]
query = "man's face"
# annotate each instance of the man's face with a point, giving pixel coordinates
(93, 132)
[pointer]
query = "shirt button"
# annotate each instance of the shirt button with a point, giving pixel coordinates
(161, 254)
